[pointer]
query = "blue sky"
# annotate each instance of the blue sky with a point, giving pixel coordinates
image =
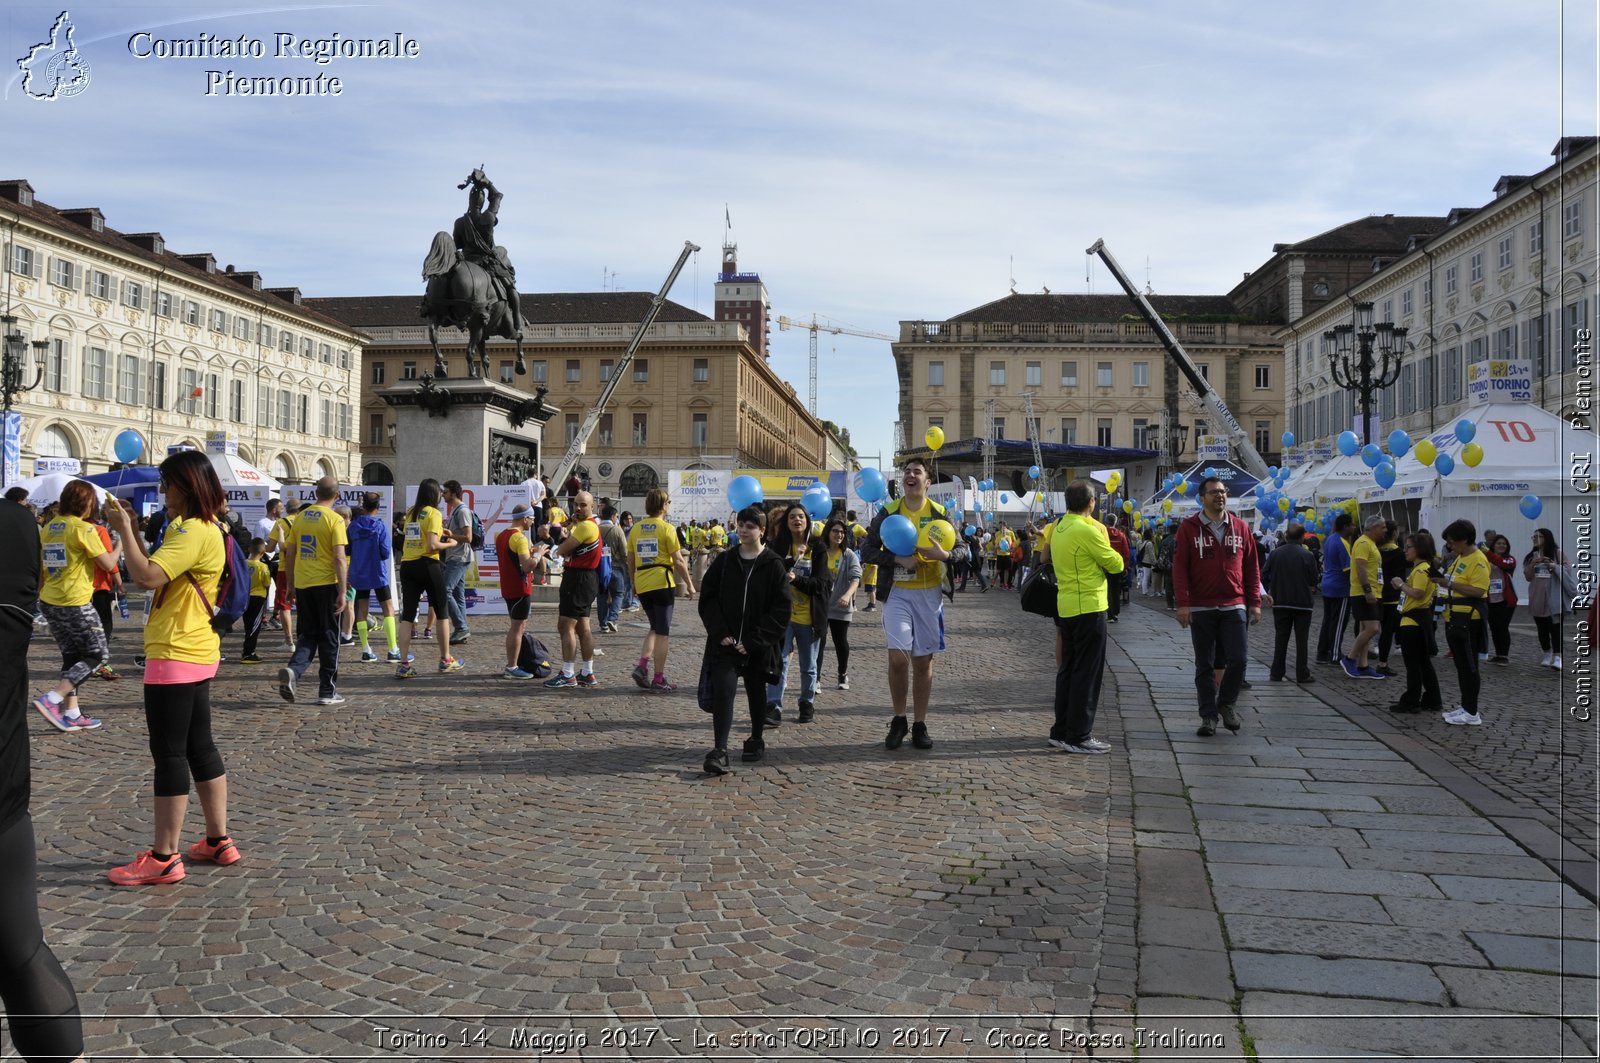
(881, 161)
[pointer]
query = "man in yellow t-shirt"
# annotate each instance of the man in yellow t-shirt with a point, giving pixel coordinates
(318, 575)
(1366, 592)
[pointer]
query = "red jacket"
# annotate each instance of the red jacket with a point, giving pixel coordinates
(1119, 542)
(1507, 565)
(1208, 573)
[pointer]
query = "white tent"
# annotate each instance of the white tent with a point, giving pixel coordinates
(1335, 480)
(43, 490)
(234, 471)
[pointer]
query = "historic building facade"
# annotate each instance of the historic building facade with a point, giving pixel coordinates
(1506, 290)
(136, 336)
(1097, 373)
(697, 395)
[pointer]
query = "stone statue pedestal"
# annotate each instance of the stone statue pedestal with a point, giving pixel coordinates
(474, 431)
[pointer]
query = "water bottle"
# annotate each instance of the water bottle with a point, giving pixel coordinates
(122, 604)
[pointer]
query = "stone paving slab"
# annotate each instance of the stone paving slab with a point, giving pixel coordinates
(1538, 953)
(1261, 876)
(1330, 938)
(1304, 904)
(1385, 980)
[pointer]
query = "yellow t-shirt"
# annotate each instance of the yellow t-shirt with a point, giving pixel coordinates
(697, 537)
(1364, 549)
(280, 534)
(518, 544)
(69, 546)
(929, 573)
(717, 537)
(653, 542)
(869, 575)
(260, 578)
(417, 529)
(800, 605)
(179, 628)
(318, 532)
(1411, 608)
(1469, 571)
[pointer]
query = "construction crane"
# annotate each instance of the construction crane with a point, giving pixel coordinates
(814, 326)
(575, 449)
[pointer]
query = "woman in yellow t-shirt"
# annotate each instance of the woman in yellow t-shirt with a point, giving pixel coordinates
(1416, 601)
(72, 552)
(1467, 581)
(421, 572)
(808, 611)
(181, 650)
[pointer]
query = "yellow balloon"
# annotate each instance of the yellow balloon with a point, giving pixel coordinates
(934, 437)
(1183, 487)
(1127, 505)
(1426, 451)
(1283, 505)
(1471, 455)
(937, 532)
(1311, 514)
(1113, 480)
(1166, 505)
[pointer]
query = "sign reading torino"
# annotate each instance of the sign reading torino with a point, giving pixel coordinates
(1499, 380)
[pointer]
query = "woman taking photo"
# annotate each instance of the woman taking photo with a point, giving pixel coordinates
(181, 653)
(744, 604)
(421, 572)
(1416, 602)
(1546, 570)
(1502, 596)
(808, 612)
(74, 554)
(842, 568)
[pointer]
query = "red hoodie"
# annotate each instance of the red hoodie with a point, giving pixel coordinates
(1206, 573)
(1119, 541)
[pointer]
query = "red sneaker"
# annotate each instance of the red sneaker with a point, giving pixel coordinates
(224, 852)
(146, 870)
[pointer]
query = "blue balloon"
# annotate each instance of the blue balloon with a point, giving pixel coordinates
(899, 535)
(1444, 464)
(1210, 471)
(1288, 440)
(818, 503)
(871, 486)
(1033, 472)
(971, 530)
(745, 491)
(1004, 498)
(1272, 471)
(1348, 443)
(128, 446)
(1371, 456)
(1465, 430)
(1384, 474)
(955, 516)
(1399, 443)
(1531, 506)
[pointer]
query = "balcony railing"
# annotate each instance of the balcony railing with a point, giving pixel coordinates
(1061, 332)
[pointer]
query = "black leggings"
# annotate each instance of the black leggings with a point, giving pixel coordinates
(839, 632)
(178, 716)
(726, 672)
(1466, 662)
(423, 574)
(1549, 633)
(40, 1003)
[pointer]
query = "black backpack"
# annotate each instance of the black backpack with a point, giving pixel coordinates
(535, 656)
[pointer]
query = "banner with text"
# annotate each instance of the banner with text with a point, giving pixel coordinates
(1499, 380)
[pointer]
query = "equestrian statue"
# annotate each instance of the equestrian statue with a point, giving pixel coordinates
(471, 284)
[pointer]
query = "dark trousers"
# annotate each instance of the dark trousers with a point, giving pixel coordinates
(1286, 622)
(317, 635)
(1330, 640)
(1422, 682)
(839, 632)
(1500, 626)
(726, 671)
(1215, 631)
(1083, 660)
(1466, 662)
(252, 624)
(1390, 620)
(1549, 628)
(1113, 595)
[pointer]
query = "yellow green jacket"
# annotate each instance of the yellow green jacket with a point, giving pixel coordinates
(1082, 556)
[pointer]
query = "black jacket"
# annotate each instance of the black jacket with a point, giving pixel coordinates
(1290, 576)
(758, 614)
(19, 589)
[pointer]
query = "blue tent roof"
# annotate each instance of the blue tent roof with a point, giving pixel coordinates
(1239, 482)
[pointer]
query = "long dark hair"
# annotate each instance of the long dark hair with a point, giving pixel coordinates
(428, 492)
(190, 471)
(782, 539)
(1546, 548)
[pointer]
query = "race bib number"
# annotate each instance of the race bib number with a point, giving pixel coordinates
(1496, 585)
(413, 533)
(55, 557)
(649, 550)
(802, 567)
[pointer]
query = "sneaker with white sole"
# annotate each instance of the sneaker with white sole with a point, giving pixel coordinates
(1555, 662)
(331, 699)
(286, 683)
(1464, 719)
(513, 672)
(1088, 745)
(844, 682)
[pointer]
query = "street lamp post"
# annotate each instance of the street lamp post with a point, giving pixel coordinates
(14, 370)
(1349, 350)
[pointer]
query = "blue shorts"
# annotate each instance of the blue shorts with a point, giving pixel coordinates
(913, 621)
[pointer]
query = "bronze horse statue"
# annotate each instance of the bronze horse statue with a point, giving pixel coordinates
(462, 294)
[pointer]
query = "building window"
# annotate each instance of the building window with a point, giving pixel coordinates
(1033, 374)
(1452, 374)
(1505, 253)
(1477, 349)
(637, 480)
(236, 401)
(997, 374)
(99, 284)
(130, 381)
(378, 371)
(1408, 389)
(241, 327)
(541, 372)
(265, 336)
(1536, 238)
(343, 419)
(61, 273)
(408, 370)
(570, 428)
(1205, 370)
(574, 371)
(303, 414)
(1505, 342)
(605, 430)
(1475, 266)
(1069, 374)
(286, 342)
(163, 304)
(1405, 303)
(325, 409)
(1427, 291)
(158, 385)
(608, 369)
(213, 395)
(1386, 407)
(1450, 280)
(1388, 310)
(1264, 436)
(22, 260)
(641, 429)
(1069, 430)
(936, 374)
(1572, 219)
(998, 428)
(375, 431)
(702, 371)
(1102, 375)
(344, 358)
(1102, 432)
(219, 321)
(308, 348)
(1141, 432)
(700, 431)
(263, 406)
(325, 353)
(508, 372)
(641, 371)
(188, 381)
(285, 409)
(1537, 342)
(1263, 378)
(1575, 319)
(55, 366)
(1141, 374)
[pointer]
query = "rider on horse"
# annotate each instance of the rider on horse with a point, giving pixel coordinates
(474, 236)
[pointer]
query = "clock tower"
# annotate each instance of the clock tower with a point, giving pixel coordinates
(742, 297)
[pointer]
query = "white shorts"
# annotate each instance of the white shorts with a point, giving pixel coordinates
(913, 621)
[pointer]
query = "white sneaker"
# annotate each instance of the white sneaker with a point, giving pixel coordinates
(1464, 719)
(1454, 714)
(1544, 662)
(1555, 661)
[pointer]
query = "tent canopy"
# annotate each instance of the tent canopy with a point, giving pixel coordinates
(234, 471)
(1527, 450)
(45, 490)
(1240, 486)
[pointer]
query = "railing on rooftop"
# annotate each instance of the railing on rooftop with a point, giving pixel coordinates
(1060, 332)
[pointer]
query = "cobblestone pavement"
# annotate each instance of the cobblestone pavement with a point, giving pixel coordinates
(490, 870)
